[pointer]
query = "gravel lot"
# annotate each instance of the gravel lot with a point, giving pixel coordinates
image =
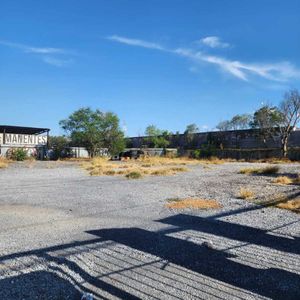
(64, 233)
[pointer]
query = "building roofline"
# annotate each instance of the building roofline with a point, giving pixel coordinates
(22, 129)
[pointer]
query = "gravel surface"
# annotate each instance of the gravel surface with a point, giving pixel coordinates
(64, 233)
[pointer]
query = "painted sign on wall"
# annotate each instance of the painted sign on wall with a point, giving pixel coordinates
(23, 139)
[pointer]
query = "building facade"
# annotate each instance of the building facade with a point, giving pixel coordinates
(31, 139)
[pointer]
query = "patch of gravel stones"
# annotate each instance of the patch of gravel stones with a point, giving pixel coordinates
(115, 238)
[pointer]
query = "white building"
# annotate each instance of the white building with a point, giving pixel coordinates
(33, 140)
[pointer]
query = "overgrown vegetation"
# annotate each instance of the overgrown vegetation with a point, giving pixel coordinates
(271, 121)
(3, 163)
(146, 166)
(59, 145)
(245, 193)
(206, 151)
(280, 201)
(293, 205)
(156, 137)
(134, 175)
(193, 203)
(269, 170)
(237, 122)
(19, 154)
(287, 180)
(94, 130)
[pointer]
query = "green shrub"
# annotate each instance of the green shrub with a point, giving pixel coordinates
(19, 154)
(134, 175)
(206, 151)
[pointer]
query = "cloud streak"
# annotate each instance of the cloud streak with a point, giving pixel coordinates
(56, 62)
(135, 42)
(30, 49)
(214, 42)
(281, 71)
(46, 54)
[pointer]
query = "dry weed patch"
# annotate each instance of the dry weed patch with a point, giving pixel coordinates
(283, 180)
(245, 193)
(287, 180)
(274, 160)
(270, 170)
(194, 203)
(293, 205)
(134, 175)
(281, 201)
(3, 163)
(156, 166)
(214, 161)
(150, 161)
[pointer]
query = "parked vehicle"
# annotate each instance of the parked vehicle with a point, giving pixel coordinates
(131, 154)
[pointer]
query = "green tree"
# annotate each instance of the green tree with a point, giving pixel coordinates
(191, 128)
(237, 122)
(156, 137)
(94, 130)
(224, 126)
(240, 121)
(280, 121)
(152, 130)
(58, 144)
(189, 135)
(267, 119)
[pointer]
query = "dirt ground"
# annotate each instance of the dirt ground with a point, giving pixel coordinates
(64, 233)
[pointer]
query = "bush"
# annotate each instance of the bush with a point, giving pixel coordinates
(19, 154)
(134, 175)
(206, 151)
(58, 146)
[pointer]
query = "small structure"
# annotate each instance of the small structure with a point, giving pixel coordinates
(32, 139)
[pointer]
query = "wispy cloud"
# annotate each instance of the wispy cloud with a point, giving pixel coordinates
(44, 53)
(279, 71)
(30, 49)
(135, 42)
(214, 42)
(56, 62)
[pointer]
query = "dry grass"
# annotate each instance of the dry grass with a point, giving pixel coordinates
(287, 180)
(281, 201)
(216, 161)
(30, 163)
(283, 180)
(150, 161)
(167, 171)
(270, 170)
(274, 160)
(156, 166)
(284, 202)
(3, 163)
(293, 205)
(194, 203)
(245, 193)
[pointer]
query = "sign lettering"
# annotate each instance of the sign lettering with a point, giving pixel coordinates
(23, 139)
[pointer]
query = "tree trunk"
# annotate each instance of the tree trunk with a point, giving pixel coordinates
(284, 146)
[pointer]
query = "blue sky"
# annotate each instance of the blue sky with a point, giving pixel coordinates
(163, 62)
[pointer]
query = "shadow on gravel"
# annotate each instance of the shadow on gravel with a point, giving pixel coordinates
(104, 266)
(274, 283)
(38, 285)
(235, 232)
(55, 284)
